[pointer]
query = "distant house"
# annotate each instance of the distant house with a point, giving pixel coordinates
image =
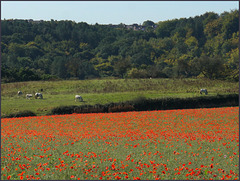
(35, 21)
(135, 27)
(129, 27)
(38, 21)
(143, 28)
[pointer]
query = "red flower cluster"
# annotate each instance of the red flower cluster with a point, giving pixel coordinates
(174, 144)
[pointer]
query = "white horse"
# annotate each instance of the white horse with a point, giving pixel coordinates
(28, 96)
(38, 95)
(79, 98)
(204, 91)
(20, 93)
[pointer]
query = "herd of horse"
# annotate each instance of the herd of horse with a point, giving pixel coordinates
(78, 97)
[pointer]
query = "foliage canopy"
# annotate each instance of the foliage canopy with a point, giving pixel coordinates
(205, 45)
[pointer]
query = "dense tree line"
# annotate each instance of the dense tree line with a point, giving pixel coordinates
(203, 46)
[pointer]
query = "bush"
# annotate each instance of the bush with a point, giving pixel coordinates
(90, 109)
(120, 108)
(48, 77)
(25, 113)
(63, 110)
(137, 73)
(142, 104)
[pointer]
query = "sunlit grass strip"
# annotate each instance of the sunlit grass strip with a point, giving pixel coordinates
(176, 144)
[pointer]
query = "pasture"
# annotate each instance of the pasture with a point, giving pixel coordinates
(194, 144)
(103, 91)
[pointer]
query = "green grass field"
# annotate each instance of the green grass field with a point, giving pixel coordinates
(103, 91)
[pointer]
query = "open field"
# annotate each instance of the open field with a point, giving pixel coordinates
(61, 93)
(199, 144)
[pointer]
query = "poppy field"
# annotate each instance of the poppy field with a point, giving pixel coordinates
(191, 144)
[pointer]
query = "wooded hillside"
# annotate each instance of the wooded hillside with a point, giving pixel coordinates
(202, 46)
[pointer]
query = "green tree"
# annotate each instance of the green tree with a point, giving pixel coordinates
(121, 66)
(137, 73)
(184, 68)
(211, 68)
(230, 24)
(16, 49)
(79, 68)
(59, 68)
(165, 28)
(27, 74)
(209, 17)
(25, 61)
(33, 50)
(232, 65)
(43, 64)
(192, 46)
(148, 23)
(156, 71)
(213, 28)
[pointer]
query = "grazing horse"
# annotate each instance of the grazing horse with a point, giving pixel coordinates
(20, 93)
(28, 96)
(79, 98)
(204, 91)
(38, 95)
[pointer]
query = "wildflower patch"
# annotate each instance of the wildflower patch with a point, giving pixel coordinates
(194, 144)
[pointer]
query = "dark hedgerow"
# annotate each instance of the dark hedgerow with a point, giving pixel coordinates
(187, 103)
(143, 104)
(121, 107)
(63, 110)
(25, 113)
(90, 109)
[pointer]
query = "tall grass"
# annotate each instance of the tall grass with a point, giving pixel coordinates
(120, 85)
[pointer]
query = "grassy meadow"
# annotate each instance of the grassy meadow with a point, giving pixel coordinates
(103, 91)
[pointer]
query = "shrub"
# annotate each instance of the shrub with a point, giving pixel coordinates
(25, 113)
(121, 108)
(90, 109)
(63, 110)
(137, 73)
